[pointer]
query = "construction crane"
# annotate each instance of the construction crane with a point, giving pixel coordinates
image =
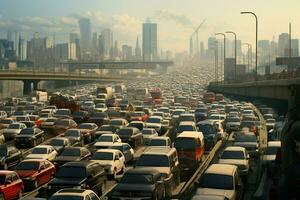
(197, 39)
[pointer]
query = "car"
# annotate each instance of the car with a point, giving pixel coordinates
(251, 125)
(105, 129)
(186, 117)
(48, 123)
(137, 124)
(272, 151)
(20, 118)
(156, 123)
(132, 136)
(249, 141)
(63, 113)
(101, 107)
(4, 123)
(12, 130)
(200, 114)
(88, 131)
(210, 133)
(79, 175)
(221, 179)
(160, 141)
(208, 197)
(59, 143)
(3, 114)
(165, 160)
(75, 137)
(80, 116)
(106, 140)
(80, 194)
(118, 123)
(9, 156)
(45, 152)
(270, 123)
(29, 137)
(112, 160)
(138, 116)
(125, 148)
(186, 126)
(238, 156)
(35, 172)
(139, 183)
(72, 154)
(148, 134)
(64, 124)
(99, 118)
(232, 124)
(11, 186)
(88, 106)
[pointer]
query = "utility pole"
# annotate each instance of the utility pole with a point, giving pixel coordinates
(223, 52)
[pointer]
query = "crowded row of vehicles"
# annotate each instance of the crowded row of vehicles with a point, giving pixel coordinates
(142, 141)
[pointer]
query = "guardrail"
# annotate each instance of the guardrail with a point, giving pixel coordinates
(188, 186)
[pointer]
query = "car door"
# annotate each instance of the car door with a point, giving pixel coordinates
(42, 176)
(16, 185)
(8, 189)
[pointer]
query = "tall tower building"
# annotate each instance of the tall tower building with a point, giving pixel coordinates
(85, 34)
(138, 51)
(108, 44)
(22, 49)
(149, 41)
(283, 43)
(94, 42)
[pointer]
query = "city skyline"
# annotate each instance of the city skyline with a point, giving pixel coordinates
(174, 20)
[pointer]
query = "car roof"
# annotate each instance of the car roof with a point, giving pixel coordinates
(43, 146)
(274, 144)
(108, 150)
(158, 150)
(184, 123)
(234, 148)
(72, 192)
(84, 163)
(225, 169)
(191, 134)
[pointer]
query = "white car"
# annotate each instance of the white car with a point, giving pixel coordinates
(45, 152)
(106, 140)
(149, 133)
(74, 194)
(236, 156)
(112, 160)
(155, 122)
(221, 179)
(101, 107)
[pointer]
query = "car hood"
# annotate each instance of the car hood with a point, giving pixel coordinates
(246, 144)
(11, 131)
(105, 144)
(67, 158)
(134, 187)
(162, 170)
(153, 125)
(23, 136)
(227, 193)
(37, 156)
(104, 162)
(67, 181)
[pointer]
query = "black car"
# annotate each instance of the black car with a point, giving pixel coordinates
(9, 156)
(72, 154)
(200, 114)
(88, 131)
(140, 183)
(210, 133)
(99, 118)
(131, 135)
(81, 174)
(80, 116)
(29, 137)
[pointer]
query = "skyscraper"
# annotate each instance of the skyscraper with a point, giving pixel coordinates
(22, 49)
(149, 41)
(85, 34)
(283, 43)
(94, 42)
(138, 51)
(108, 44)
(295, 47)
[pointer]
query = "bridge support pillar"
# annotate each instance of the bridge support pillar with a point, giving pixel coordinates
(27, 87)
(35, 85)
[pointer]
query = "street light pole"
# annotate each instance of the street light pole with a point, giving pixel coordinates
(216, 61)
(223, 34)
(235, 57)
(256, 39)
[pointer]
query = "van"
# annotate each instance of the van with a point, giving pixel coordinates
(165, 160)
(190, 148)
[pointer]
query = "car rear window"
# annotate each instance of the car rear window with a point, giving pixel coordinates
(185, 144)
(216, 181)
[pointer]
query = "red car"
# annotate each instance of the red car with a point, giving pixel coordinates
(11, 186)
(35, 172)
(138, 116)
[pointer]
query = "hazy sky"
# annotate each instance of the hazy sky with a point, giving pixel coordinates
(176, 19)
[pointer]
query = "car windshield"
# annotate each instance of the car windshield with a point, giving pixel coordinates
(62, 123)
(120, 148)
(245, 138)
(66, 197)
(71, 172)
(137, 179)
(71, 152)
(216, 181)
(3, 152)
(153, 120)
(106, 128)
(2, 179)
(147, 132)
(214, 117)
(178, 112)
(98, 114)
(38, 150)
(116, 122)
(153, 161)
(157, 142)
(62, 112)
(50, 120)
(182, 128)
(125, 131)
(57, 142)
(28, 165)
(233, 155)
(78, 114)
(85, 126)
(14, 126)
(105, 138)
(272, 150)
(206, 129)
(136, 114)
(185, 144)
(5, 121)
(233, 120)
(72, 133)
(100, 106)
(102, 156)
(27, 131)
(270, 120)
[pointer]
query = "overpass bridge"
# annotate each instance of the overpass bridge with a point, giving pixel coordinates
(116, 64)
(34, 77)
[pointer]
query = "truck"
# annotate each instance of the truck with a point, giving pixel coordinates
(40, 95)
(156, 95)
(108, 90)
